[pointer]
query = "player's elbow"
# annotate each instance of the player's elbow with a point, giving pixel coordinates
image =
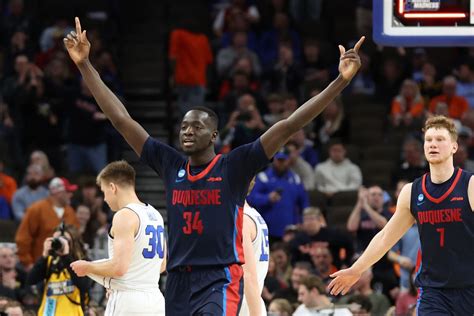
(120, 270)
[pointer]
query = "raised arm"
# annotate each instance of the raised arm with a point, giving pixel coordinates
(78, 47)
(396, 227)
(280, 132)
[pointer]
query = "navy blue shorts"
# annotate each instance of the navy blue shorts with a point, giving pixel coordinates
(204, 291)
(437, 302)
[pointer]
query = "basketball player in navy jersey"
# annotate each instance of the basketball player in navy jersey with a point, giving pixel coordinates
(441, 202)
(205, 192)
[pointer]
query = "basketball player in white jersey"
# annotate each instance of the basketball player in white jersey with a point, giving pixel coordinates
(136, 248)
(257, 255)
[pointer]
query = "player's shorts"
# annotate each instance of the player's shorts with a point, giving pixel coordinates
(135, 303)
(204, 291)
(437, 302)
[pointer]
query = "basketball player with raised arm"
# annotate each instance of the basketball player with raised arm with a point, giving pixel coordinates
(257, 255)
(136, 248)
(205, 192)
(441, 202)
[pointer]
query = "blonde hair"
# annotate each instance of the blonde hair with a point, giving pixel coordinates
(440, 122)
(119, 172)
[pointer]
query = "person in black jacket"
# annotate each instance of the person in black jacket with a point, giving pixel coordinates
(64, 293)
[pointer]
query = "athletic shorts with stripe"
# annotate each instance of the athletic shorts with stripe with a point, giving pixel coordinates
(204, 291)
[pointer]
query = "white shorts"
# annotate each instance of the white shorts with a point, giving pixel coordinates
(125, 303)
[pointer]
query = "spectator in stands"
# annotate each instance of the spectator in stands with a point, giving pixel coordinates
(398, 188)
(9, 140)
(389, 80)
(290, 104)
(268, 43)
(333, 124)
(408, 106)
(190, 54)
(20, 44)
(13, 276)
(316, 233)
(59, 29)
(368, 217)
(245, 124)
(280, 307)
(243, 65)
(314, 300)
(286, 75)
(407, 299)
(316, 69)
(429, 84)
(87, 150)
(29, 193)
(299, 166)
(461, 159)
(14, 18)
(414, 164)
(14, 309)
(275, 109)
(301, 270)
(337, 173)
(306, 146)
(279, 195)
(404, 253)
(42, 217)
(360, 305)
(465, 86)
(380, 303)
(236, 9)
(363, 83)
(38, 157)
(8, 187)
(226, 57)
(281, 257)
(105, 65)
(322, 261)
(457, 105)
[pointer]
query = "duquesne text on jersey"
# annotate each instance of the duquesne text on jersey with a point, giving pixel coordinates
(197, 197)
(432, 217)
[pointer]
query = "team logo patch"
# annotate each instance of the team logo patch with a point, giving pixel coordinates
(421, 197)
(181, 174)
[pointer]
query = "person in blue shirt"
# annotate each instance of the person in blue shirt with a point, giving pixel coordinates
(205, 192)
(279, 195)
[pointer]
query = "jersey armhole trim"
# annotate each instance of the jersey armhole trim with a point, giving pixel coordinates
(139, 230)
(256, 228)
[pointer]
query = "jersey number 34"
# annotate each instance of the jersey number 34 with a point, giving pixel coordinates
(155, 243)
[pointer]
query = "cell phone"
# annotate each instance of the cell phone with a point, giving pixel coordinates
(279, 191)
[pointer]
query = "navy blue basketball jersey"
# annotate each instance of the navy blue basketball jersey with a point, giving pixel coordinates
(205, 203)
(446, 227)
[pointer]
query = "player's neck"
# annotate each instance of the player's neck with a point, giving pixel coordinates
(129, 197)
(442, 172)
(203, 157)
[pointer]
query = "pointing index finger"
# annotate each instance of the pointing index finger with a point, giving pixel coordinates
(359, 44)
(78, 26)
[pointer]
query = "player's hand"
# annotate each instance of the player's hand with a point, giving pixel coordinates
(274, 197)
(80, 267)
(343, 281)
(349, 62)
(77, 44)
(405, 263)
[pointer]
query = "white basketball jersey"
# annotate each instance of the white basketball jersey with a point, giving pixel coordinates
(261, 250)
(143, 274)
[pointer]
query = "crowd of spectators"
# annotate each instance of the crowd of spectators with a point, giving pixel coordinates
(256, 67)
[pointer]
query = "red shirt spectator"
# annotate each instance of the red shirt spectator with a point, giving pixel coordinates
(457, 105)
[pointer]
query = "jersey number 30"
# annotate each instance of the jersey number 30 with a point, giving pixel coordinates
(264, 250)
(156, 242)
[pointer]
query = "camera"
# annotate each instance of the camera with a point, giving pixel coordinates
(57, 246)
(244, 117)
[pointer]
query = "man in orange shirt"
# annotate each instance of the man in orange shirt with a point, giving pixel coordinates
(457, 105)
(7, 185)
(189, 54)
(42, 218)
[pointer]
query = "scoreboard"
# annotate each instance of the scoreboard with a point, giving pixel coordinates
(423, 22)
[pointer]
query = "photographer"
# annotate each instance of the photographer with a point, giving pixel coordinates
(64, 293)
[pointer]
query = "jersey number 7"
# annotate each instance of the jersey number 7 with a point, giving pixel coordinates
(156, 242)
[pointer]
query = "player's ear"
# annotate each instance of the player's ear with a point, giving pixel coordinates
(214, 135)
(113, 187)
(455, 147)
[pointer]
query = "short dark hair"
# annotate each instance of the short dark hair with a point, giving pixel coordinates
(361, 300)
(212, 115)
(119, 172)
(314, 282)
